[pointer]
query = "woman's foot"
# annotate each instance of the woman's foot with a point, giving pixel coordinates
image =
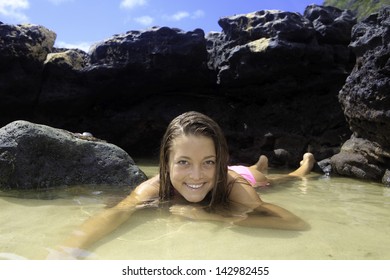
(307, 164)
(262, 164)
(308, 159)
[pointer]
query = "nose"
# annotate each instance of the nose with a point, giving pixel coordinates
(196, 173)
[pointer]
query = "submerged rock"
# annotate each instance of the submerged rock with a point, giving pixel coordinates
(360, 158)
(34, 156)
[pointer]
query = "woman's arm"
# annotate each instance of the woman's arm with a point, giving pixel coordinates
(262, 214)
(108, 220)
(246, 209)
(269, 215)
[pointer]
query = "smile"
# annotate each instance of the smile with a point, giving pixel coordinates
(194, 186)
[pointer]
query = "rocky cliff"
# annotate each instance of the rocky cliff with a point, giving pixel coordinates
(366, 104)
(270, 78)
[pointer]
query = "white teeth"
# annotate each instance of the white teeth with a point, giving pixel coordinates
(194, 186)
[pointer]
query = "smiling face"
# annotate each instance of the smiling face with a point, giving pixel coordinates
(192, 166)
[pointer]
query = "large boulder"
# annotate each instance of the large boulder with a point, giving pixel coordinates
(34, 156)
(365, 99)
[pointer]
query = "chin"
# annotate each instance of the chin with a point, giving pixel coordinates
(194, 199)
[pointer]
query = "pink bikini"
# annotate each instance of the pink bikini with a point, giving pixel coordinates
(244, 172)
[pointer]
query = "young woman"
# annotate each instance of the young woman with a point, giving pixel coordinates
(194, 176)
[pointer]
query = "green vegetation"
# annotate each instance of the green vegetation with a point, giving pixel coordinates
(362, 8)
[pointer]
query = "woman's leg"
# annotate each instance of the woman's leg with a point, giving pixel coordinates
(258, 170)
(307, 164)
(262, 164)
(261, 167)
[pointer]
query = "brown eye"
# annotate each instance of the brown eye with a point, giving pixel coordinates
(209, 163)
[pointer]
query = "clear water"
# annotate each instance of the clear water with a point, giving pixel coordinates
(350, 220)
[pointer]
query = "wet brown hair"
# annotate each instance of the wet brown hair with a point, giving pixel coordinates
(197, 124)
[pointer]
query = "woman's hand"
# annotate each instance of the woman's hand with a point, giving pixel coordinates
(199, 213)
(68, 253)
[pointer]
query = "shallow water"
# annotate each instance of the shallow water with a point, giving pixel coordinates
(349, 220)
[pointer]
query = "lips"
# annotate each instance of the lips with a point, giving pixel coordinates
(195, 186)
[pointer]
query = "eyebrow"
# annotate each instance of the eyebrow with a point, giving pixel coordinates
(208, 157)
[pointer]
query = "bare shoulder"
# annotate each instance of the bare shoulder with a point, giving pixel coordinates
(242, 192)
(146, 191)
(150, 187)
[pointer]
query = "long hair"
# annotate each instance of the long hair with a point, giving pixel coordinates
(196, 124)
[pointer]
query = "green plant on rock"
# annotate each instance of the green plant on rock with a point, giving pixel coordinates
(362, 8)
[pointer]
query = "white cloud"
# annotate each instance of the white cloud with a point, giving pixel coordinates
(184, 14)
(177, 16)
(13, 9)
(145, 20)
(82, 45)
(130, 4)
(58, 2)
(198, 14)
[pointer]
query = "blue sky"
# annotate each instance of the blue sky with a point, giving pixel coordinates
(80, 23)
